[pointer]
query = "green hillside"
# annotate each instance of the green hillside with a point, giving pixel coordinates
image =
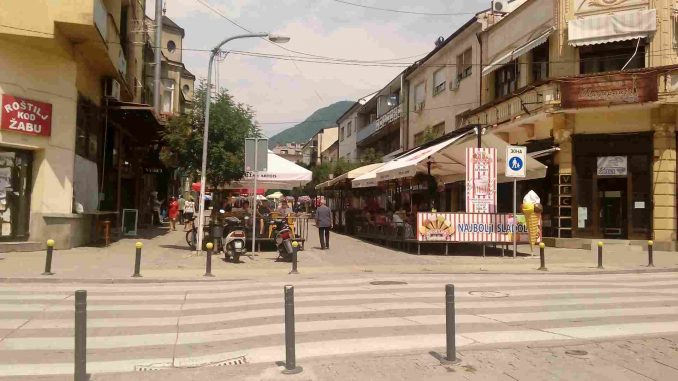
(302, 132)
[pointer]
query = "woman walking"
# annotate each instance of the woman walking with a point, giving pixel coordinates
(189, 209)
(173, 212)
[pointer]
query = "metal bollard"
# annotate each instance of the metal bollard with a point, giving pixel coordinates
(295, 249)
(450, 326)
(650, 254)
(48, 259)
(600, 255)
(208, 263)
(290, 356)
(137, 260)
(80, 371)
(542, 258)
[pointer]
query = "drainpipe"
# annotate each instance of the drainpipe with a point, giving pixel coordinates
(405, 112)
(480, 45)
(158, 54)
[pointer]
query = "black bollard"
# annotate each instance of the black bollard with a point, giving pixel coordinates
(650, 254)
(80, 372)
(208, 260)
(137, 260)
(290, 356)
(48, 258)
(542, 258)
(600, 255)
(295, 250)
(450, 326)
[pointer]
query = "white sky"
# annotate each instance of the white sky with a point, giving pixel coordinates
(278, 90)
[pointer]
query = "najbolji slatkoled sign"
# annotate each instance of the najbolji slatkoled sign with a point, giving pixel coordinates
(472, 227)
(25, 116)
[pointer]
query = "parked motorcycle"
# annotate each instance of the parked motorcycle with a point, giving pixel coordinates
(233, 241)
(283, 240)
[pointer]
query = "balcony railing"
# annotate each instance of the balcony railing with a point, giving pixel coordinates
(390, 117)
(364, 132)
(529, 102)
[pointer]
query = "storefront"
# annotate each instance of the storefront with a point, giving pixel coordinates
(15, 193)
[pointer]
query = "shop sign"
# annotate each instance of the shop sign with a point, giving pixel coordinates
(476, 227)
(609, 90)
(612, 165)
(481, 180)
(26, 116)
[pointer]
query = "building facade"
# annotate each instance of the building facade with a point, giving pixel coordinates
(379, 122)
(592, 82)
(73, 130)
(348, 129)
(319, 143)
(289, 151)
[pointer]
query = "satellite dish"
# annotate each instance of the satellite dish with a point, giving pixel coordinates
(440, 41)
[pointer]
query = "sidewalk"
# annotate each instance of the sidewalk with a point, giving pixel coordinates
(165, 256)
(634, 359)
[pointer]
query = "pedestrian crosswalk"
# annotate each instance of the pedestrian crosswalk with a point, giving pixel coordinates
(141, 326)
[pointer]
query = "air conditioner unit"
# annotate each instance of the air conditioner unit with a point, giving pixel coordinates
(111, 88)
(419, 107)
(500, 6)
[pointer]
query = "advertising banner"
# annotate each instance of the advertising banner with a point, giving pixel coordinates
(25, 116)
(481, 180)
(467, 227)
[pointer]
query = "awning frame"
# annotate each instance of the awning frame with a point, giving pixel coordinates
(519, 51)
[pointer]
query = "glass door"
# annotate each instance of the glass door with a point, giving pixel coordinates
(15, 194)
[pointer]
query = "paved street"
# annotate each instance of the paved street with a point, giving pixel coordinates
(363, 318)
(166, 256)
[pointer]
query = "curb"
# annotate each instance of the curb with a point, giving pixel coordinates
(547, 273)
(114, 280)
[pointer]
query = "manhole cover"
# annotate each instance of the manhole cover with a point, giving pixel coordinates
(576, 352)
(489, 294)
(386, 282)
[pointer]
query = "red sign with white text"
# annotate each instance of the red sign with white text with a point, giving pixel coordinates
(25, 116)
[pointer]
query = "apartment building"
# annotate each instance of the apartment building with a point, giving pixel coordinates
(348, 130)
(589, 86)
(74, 131)
(289, 151)
(379, 122)
(319, 143)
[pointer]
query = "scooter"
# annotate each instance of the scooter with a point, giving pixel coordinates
(233, 242)
(283, 240)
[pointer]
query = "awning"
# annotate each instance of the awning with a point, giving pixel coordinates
(281, 174)
(448, 161)
(515, 53)
(350, 175)
(366, 180)
(619, 26)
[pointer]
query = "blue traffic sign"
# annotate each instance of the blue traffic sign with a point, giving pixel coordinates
(515, 161)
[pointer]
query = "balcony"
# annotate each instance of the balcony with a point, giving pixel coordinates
(390, 117)
(528, 103)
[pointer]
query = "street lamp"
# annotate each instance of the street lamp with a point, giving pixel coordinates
(203, 170)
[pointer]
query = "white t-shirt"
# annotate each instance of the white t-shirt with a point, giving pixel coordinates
(189, 207)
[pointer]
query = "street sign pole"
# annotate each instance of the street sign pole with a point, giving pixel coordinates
(515, 222)
(515, 167)
(254, 196)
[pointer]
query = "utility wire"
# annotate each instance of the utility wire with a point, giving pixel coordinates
(401, 11)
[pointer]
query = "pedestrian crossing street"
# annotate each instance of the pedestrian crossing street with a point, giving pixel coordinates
(133, 327)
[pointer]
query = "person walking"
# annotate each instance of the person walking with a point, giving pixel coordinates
(155, 205)
(189, 209)
(173, 212)
(323, 220)
(181, 201)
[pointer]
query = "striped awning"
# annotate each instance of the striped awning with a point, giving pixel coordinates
(517, 52)
(620, 26)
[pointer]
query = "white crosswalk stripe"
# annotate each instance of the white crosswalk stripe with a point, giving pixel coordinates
(188, 324)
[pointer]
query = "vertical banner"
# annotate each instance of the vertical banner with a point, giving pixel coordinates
(481, 180)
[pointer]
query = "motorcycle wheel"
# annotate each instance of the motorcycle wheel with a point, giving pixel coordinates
(190, 239)
(236, 257)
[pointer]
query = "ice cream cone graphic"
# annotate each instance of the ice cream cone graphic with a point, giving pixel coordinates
(532, 221)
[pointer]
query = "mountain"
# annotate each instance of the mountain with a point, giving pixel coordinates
(321, 118)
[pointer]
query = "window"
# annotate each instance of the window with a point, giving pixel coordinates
(438, 81)
(87, 130)
(419, 93)
(167, 95)
(341, 134)
(418, 139)
(611, 56)
(439, 130)
(506, 79)
(171, 46)
(349, 128)
(464, 65)
(187, 89)
(540, 62)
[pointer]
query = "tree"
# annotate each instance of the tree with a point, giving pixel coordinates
(371, 156)
(230, 124)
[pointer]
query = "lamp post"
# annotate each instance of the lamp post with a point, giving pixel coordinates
(203, 169)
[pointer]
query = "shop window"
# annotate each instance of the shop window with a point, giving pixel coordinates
(15, 193)
(506, 79)
(612, 56)
(439, 81)
(540, 62)
(464, 64)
